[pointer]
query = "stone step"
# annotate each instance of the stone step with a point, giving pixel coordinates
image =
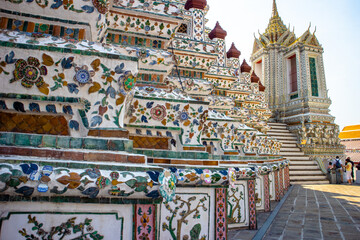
(283, 137)
(280, 130)
(281, 134)
(303, 167)
(302, 163)
(289, 149)
(298, 158)
(289, 145)
(315, 172)
(310, 182)
(305, 178)
(289, 142)
(278, 126)
(285, 154)
(280, 138)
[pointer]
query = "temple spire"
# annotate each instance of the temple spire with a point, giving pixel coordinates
(276, 26)
(274, 10)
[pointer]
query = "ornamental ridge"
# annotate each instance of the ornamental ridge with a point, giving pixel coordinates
(276, 26)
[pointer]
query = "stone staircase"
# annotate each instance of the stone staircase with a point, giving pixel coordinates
(302, 169)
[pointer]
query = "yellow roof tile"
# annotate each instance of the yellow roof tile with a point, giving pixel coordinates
(350, 132)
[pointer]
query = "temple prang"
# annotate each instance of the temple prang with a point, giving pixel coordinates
(292, 70)
(132, 119)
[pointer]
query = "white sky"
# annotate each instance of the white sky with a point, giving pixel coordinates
(337, 29)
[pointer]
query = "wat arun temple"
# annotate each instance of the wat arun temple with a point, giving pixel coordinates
(132, 119)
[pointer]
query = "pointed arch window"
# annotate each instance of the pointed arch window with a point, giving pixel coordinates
(313, 77)
(292, 74)
(258, 69)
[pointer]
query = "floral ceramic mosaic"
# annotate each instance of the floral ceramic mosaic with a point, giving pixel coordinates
(221, 224)
(237, 213)
(186, 211)
(145, 221)
(31, 179)
(133, 84)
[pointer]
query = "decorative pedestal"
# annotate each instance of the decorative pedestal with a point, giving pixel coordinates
(281, 181)
(266, 194)
(145, 220)
(252, 205)
(277, 186)
(220, 208)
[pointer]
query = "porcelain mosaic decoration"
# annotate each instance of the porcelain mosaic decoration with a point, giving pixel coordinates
(178, 215)
(315, 128)
(67, 228)
(133, 113)
(29, 179)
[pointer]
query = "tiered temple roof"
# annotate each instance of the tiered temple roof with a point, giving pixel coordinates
(129, 103)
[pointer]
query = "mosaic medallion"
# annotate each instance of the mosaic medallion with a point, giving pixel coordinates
(158, 112)
(29, 72)
(167, 182)
(83, 75)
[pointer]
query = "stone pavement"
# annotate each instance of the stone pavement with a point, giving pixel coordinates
(245, 234)
(318, 212)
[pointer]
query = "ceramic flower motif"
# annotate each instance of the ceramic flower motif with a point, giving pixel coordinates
(274, 167)
(128, 81)
(189, 84)
(167, 181)
(263, 169)
(206, 176)
(142, 53)
(83, 75)
(148, 5)
(29, 72)
(232, 177)
(180, 175)
(101, 5)
(183, 116)
(281, 165)
(158, 112)
(102, 182)
(44, 178)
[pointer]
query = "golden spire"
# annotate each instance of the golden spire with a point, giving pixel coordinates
(276, 26)
(274, 10)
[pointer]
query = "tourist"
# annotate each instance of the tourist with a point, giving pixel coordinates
(348, 169)
(329, 168)
(352, 169)
(338, 168)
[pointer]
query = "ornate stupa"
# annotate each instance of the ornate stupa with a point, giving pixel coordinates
(296, 86)
(129, 113)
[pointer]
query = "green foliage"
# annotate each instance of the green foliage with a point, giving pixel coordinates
(195, 232)
(62, 230)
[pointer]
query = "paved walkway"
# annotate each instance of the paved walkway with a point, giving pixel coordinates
(318, 212)
(245, 234)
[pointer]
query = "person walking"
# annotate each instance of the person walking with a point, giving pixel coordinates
(352, 169)
(348, 168)
(329, 169)
(338, 168)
